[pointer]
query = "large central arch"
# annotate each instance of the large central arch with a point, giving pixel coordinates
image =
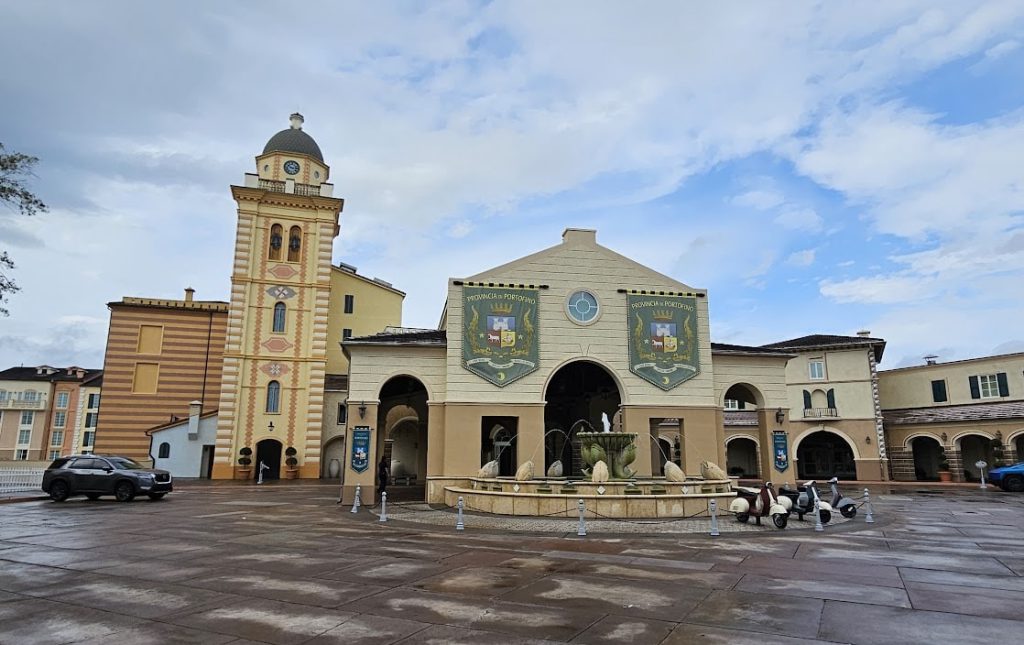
(577, 395)
(402, 418)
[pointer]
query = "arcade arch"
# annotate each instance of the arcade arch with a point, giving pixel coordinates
(402, 416)
(741, 457)
(576, 396)
(822, 453)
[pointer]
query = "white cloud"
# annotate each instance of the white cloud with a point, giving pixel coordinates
(800, 219)
(803, 258)
(761, 199)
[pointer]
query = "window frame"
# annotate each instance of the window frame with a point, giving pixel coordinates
(350, 303)
(342, 413)
(28, 440)
(273, 398)
(21, 454)
(164, 450)
(810, 369)
(57, 434)
(63, 398)
(60, 419)
(988, 382)
(31, 418)
(279, 319)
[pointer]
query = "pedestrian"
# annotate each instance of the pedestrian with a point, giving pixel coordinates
(383, 475)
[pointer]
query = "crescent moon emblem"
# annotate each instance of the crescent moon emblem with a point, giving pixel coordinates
(501, 376)
(664, 379)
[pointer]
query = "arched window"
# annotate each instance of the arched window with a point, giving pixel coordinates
(294, 244)
(165, 451)
(279, 317)
(276, 239)
(273, 397)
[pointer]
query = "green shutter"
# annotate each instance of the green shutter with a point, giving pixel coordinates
(975, 390)
(830, 396)
(807, 400)
(743, 405)
(939, 391)
(1004, 387)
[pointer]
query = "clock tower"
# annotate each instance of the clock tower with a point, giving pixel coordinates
(275, 355)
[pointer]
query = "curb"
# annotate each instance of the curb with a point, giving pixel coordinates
(15, 500)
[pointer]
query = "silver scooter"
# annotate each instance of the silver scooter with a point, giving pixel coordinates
(846, 505)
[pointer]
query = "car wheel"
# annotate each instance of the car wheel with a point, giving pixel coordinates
(849, 511)
(93, 496)
(825, 516)
(1013, 484)
(59, 490)
(742, 518)
(780, 520)
(155, 496)
(124, 491)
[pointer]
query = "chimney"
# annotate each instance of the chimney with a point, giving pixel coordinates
(864, 333)
(579, 236)
(930, 359)
(195, 408)
(189, 292)
(79, 373)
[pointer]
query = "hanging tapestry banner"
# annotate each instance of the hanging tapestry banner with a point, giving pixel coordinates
(360, 448)
(663, 339)
(780, 446)
(499, 340)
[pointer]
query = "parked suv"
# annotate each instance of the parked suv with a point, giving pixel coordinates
(95, 475)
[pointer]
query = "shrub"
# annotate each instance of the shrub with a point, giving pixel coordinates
(291, 461)
(244, 460)
(943, 459)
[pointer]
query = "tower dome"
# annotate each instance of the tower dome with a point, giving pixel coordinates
(293, 139)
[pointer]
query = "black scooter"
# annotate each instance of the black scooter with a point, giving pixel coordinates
(846, 505)
(803, 501)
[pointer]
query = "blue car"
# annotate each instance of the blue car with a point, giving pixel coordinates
(1009, 478)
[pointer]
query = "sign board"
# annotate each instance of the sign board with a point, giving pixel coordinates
(360, 448)
(780, 450)
(663, 339)
(499, 341)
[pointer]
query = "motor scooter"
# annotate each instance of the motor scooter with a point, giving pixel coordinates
(758, 503)
(846, 505)
(803, 501)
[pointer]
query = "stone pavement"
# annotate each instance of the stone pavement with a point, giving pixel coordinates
(284, 564)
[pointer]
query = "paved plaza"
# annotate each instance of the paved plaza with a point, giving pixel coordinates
(283, 563)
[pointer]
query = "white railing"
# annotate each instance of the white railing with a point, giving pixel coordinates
(18, 480)
(22, 404)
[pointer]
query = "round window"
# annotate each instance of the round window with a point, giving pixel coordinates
(582, 307)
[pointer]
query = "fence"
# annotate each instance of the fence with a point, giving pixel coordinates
(17, 480)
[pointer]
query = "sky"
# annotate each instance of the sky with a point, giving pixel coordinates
(819, 167)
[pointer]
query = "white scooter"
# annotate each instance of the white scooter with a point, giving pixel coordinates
(846, 505)
(758, 503)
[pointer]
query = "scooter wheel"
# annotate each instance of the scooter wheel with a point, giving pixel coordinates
(742, 518)
(826, 516)
(849, 511)
(780, 520)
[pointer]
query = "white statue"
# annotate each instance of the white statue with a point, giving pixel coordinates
(489, 470)
(600, 473)
(605, 422)
(525, 472)
(555, 469)
(674, 473)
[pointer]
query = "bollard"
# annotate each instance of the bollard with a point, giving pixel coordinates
(817, 515)
(713, 512)
(983, 484)
(383, 507)
(259, 480)
(460, 525)
(581, 530)
(869, 518)
(355, 501)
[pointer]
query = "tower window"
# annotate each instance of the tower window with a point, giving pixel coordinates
(279, 311)
(276, 237)
(294, 244)
(165, 451)
(350, 303)
(346, 333)
(273, 397)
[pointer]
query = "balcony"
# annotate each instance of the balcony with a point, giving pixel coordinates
(818, 413)
(22, 404)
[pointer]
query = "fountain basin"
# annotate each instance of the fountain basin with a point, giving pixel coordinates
(644, 498)
(616, 449)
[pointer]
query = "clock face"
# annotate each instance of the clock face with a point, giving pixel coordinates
(291, 167)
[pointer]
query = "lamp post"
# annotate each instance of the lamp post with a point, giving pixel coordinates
(780, 416)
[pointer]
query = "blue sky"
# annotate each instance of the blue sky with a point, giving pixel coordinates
(819, 167)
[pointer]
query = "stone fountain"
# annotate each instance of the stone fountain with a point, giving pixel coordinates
(616, 449)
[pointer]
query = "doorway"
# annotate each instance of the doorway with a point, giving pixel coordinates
(927, 455)
(741, 458)
(822, 455)
(974, 448)
(498, 439)
(577, 396)
(268, 452)
(206, 462)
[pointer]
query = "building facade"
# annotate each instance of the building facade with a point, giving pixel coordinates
(39, 407)
(970, 410)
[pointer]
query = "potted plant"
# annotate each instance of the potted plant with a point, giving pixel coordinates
(291, 462)
(244, 469)
(944, 474)
(997, 452)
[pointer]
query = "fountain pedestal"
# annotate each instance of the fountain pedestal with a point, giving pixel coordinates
(616, 449)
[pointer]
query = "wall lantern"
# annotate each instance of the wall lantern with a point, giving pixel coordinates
(944, 437)
(270, 426)
(780, 416)
(867, 440)
(362, 410)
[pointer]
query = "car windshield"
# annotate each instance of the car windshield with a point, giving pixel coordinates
(124, 463)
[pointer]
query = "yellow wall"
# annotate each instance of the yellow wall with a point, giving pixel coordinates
(847, 371)
(911, 387)
(376, 307)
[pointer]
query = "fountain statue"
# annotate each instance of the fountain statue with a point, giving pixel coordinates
(605, 422)
(616, 449)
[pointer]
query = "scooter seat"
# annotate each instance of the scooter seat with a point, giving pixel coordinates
(747, 490)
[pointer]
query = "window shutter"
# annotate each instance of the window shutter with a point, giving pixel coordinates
(807, 400)
(830, 396)
(975, 390)
(939, 391)
(743, 405)
(1004, 387)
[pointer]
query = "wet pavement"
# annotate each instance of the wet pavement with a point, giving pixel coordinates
(285, 564)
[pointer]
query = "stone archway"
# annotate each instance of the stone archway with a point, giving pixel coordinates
(1018, 448)
(973, 448)
(823, 455)
(577, 395)
(333, 451)
(741, 458)
(927, 454)
(402, 417)
(268, 453)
